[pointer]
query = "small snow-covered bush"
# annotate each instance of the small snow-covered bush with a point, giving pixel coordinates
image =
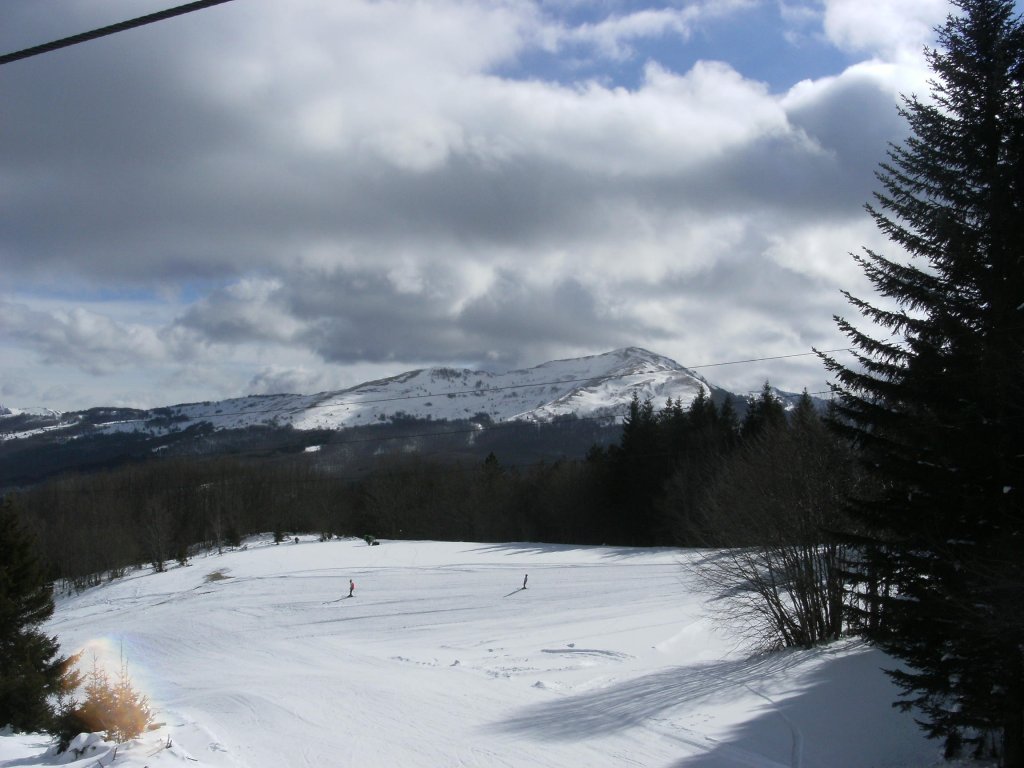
(82, 747)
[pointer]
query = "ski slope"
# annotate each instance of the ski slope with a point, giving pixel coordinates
(256, 658)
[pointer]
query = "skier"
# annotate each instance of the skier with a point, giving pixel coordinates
(524, 580)
(351, 587)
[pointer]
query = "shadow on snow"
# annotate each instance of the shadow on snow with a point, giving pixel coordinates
(829, 715)
(609, 552)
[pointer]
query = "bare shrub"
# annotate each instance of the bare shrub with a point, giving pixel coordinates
(774, 513)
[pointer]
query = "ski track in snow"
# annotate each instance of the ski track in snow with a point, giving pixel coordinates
(257, 658)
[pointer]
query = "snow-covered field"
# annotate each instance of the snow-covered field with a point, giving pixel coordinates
(257, 658)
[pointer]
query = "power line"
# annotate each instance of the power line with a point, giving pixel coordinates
(487, 390)
(480, 391)
(764, 359)
(109, 30)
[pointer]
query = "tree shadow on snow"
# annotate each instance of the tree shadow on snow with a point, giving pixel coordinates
(842, 717)
(609, 552)
(43, 758)
(838, 714)
(635, 702)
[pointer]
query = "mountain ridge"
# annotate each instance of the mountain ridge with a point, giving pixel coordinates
(556, 410)
(595, 386)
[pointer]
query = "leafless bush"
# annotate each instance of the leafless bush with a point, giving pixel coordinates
(774, 515)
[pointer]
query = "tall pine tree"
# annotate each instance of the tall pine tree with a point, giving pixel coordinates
(32, 673)
(938, 405)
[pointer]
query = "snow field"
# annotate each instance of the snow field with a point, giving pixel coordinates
(258, 659)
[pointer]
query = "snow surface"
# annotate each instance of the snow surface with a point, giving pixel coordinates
(258, 658)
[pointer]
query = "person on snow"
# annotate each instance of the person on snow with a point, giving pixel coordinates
(351, 587)
(524, 580)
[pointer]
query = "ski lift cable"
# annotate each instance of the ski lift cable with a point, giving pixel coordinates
(109, 30)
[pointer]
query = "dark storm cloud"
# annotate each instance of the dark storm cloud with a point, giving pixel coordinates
(108, 153)
(365, 316)
(514, 315)
(854, 120)
(824, 166)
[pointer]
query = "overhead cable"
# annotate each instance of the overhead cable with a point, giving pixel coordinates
(109, 30)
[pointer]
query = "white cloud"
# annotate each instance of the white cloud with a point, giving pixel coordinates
(894, 30)
(615, 36)
(670, 123)
(92, 341)
(816, 250)
(414, 85)
(277, 379)
(247, 310)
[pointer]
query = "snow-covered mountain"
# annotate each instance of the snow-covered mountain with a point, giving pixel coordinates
(600, 385)
(595, 386)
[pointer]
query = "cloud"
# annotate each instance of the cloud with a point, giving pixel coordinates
(17, 389)
(92, 341)
(277, 380)
(852, 118)
(890, 29)
(244, 311)
(321, 188)
(615, 35)
(458, 158)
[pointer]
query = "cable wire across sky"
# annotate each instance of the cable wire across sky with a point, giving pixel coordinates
(487, 390)
(111, 29)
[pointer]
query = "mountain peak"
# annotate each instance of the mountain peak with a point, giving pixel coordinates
(641, 355)
(597, 386)
(621, 359)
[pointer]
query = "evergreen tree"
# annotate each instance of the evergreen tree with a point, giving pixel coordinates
(804, 413)
(702, 416)
(938, 405)
(728, 423)
(32, 673)
(114, 708)
(638, 465)
(675, 425)
(765, 413)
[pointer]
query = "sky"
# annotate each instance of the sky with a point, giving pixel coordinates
(266, 197)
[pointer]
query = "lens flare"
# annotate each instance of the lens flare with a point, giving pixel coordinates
(117, 655)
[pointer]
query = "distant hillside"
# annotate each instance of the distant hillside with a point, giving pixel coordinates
(556, 409)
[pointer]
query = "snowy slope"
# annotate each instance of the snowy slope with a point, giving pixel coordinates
(588, 386)
(601, 385)
(256, 659)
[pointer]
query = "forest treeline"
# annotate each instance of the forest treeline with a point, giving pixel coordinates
(677, 476)
(85, 447)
